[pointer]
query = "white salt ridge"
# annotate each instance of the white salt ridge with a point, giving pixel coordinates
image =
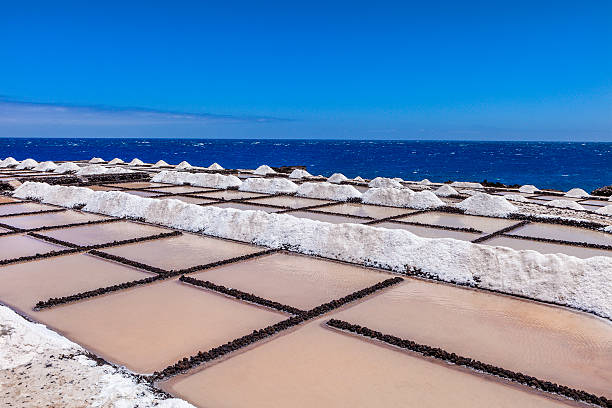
(27, 164)
(67, 167)
(274, 185)
(445, 191)
(404, 197)
(576, 193)
(46, 166)
(184, 165)
(607, 210)
(559, 278)
(337, 178)
(572, 205)
(96, 160)
(8, 162)
(383, 182)
(488, 205)
(116, 160)
(161, 163)
(299, 174)
(215, 166)
(94, 169)
(528, 188)
(212, 180)
(136, 162)
(465, 184)
(328, 191)
(263, 170)
(516, 197)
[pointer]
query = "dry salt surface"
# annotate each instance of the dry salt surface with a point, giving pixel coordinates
(39, 368)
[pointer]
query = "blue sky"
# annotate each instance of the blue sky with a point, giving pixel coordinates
(361, 70)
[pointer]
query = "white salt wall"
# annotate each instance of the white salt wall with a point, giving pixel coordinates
(576, 193)
(213, 180)
(27, 164)
(45, 166)
(528, 188)
(445, 191)
(67, 167)
(299, 174)
(404, 197)
(328, 191)
(383, 182)
(572, 205)
(580, 283)
(8, 162)
(466, 184)
(274, 185)
(486, 204)
(263, 170)
(337, 178)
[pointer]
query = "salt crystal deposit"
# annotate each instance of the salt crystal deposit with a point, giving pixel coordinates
(572, 205)
(516, 197)
(425, 182)
(465, 184)
(27, 164)
(67, 167)
(359, 179)
(45, 166)
(299, 174)
(469, 192)
(383, 182)
(161, 163)
(607, 210)
(528, 188)
(263, 170)
(274, 185)
(98, 169)
(445, 191)
(328, 191)
(404, 197)
(486, 204)
(579, 283)
(212, 180)
(184, 165)
(116, 160)
(337, 178)
(96, 160)
(215, 166)
(8, 162)
(136, 162)
(576, 193)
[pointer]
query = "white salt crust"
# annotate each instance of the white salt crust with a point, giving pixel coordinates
(96, 160)
(337, 178)
(136, 162)
(383, 182)
(528, 188)
(116, 160)
(27, 164)
(404, 197)
(45, 166)
(263, 170)
(299, 174)
(575, 282)
(93, 169)
(465, 184)
(8, 162)
(274, 185)
(212, 180)
(572, 205)
(488, 205)
(576, 193)
(215, 166)
(23, 342)
(183, 166)
(328, 191)
(67, 167)
(161, 163)
(445, 191)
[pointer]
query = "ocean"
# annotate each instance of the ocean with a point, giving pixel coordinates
(545, 164)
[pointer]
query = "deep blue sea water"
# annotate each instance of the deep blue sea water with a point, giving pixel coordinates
(547, 165)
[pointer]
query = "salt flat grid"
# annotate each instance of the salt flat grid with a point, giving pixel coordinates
(12, 231)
